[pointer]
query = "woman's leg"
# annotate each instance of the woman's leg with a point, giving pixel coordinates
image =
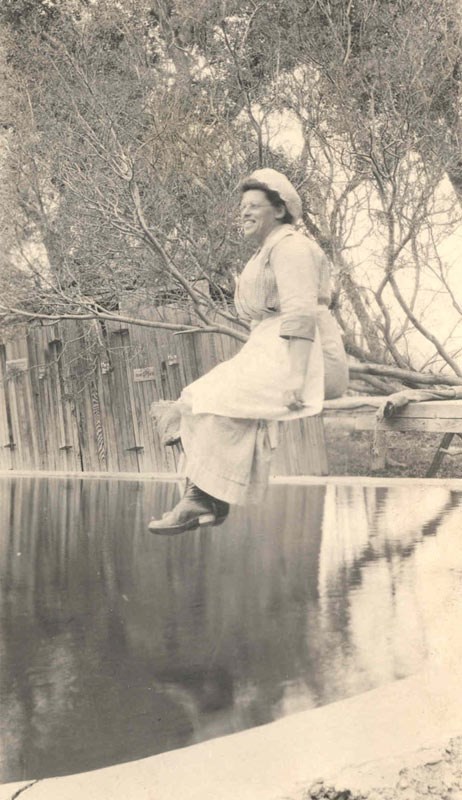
(227, 461)
(226, 457)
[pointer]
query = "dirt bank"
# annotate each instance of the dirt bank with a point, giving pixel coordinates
(430, 773)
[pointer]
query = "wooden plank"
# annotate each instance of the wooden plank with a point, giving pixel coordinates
(88, 409)
(409, 420)
(35, 350)
(21, 404)
(78, 378)
(428, 408)
(126, 441)
(133, 352)
(103, 397)
(58, 350)
(107, 392)
(145, 359)
(440, 409)
(98, 424)
(30, 405)
(59, 421)
(6, 432)
(49, 396)
(70, 453)
(16, 417)
(132, 407)
(430, 425)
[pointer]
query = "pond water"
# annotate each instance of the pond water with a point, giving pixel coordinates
(116, 644)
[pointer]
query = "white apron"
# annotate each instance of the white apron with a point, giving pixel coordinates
(251, 384)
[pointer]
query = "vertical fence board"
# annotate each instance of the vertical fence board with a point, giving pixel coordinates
(50, 396)
(66, 444)
(144, 373)
(35, 354)
(7, 460)
(125, 442)
(109, 425)
(82, 366)
(23, 411)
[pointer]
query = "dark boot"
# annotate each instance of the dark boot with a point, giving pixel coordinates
(196, 508)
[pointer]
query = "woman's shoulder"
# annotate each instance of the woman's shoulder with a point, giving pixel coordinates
(296, 243)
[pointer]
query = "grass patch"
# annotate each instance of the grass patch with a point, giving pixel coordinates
(349, 453)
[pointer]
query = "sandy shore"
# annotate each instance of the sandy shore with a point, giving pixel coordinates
(402, 740)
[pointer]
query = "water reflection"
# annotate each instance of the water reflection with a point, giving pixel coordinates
(115, 644)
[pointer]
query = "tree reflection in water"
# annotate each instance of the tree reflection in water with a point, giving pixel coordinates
(115, 644)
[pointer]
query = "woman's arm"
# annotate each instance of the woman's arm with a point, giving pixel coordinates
(299, 356)
(296, 265)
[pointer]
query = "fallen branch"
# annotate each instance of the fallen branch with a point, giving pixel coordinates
(423, 378)
(349, 403)
(382, 386)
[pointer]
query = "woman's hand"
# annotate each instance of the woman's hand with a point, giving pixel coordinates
(299, 356)
(292, 398)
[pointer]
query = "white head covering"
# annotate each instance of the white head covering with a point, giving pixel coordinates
(277, 182)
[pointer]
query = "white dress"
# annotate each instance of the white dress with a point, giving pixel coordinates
(278, 292)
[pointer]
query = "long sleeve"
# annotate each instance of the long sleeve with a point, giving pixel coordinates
(296, 263)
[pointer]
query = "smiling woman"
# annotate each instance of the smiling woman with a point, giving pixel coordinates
(259, 216)
(293, 358)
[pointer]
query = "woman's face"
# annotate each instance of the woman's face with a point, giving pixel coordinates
(258, 216)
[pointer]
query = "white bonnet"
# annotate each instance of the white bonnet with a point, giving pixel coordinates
(278, 182)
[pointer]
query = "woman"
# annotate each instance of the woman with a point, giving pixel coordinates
(293, 358)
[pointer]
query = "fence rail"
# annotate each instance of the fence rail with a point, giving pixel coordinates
(76, 397)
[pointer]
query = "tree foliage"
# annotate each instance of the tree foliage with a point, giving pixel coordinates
(128, 126)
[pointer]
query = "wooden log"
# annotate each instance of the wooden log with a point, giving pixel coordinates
(424, 378)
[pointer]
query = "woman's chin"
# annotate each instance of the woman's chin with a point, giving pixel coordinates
(250, 233)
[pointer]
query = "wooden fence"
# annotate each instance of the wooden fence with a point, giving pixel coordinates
(76, 397)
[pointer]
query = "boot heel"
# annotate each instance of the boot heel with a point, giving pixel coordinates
(206, 519)
(195, 509)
